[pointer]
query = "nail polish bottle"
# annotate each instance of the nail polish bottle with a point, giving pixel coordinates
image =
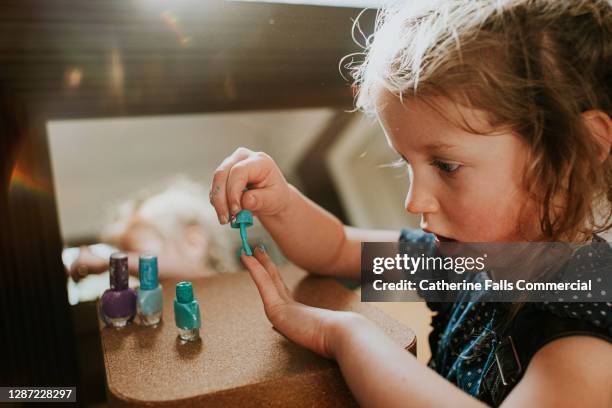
(118, 304)
(187, 312)
(150, 298)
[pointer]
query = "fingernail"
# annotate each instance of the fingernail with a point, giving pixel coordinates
(261, 247)
(235, 209)
(223, 219)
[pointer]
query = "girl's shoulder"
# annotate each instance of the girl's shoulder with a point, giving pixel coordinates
(534, 326)
(541, 323)
(590, 309)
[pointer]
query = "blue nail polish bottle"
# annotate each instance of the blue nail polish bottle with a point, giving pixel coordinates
(244, 219)
(150, 298)
(187, 312)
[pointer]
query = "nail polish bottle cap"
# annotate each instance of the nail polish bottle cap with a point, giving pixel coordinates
(147, 270)
(243, 217)
(184, 292)
(119, 271)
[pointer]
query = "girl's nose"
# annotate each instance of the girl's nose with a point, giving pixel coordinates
(419, 200)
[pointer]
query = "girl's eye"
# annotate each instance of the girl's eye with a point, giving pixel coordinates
(445, 166)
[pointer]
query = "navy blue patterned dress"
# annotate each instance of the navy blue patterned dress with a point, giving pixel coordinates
(469, 348)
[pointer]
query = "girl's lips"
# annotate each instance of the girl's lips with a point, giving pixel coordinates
(438, 237)
(446, 246)
(442, 238)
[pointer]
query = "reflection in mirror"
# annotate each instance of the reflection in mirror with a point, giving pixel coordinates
(141, 185)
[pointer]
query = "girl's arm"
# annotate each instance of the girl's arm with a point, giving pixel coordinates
(88, 263)
(331, 247)
(573, 371)
(309, 236)
(568, 372)
(382, 374)
(377, 370)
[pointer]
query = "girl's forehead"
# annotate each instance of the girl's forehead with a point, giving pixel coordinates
(435, 110)
(433, 123)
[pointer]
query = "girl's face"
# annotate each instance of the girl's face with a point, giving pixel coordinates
(466, 187)
(184, 253)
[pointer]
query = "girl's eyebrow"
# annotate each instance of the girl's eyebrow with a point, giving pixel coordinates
(433, 147)
(440, 146)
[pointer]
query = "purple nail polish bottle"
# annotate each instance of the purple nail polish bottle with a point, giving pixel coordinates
(118, 304)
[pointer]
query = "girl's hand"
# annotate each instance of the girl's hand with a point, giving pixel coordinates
(268, 192)
(86, 263)
(314, 328)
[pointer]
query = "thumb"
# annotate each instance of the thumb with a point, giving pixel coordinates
(258, 200)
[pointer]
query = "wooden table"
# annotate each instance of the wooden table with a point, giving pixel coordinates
(241, 360)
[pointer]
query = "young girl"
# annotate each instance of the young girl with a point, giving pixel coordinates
(501, 112)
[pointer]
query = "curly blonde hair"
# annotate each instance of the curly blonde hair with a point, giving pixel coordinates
(533, 65)
(170, 208)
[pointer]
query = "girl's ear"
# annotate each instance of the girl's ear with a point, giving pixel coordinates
(600, 127)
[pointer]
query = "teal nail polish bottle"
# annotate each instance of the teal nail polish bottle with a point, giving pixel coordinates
(244, 219)
(150, 294)
(187, 312)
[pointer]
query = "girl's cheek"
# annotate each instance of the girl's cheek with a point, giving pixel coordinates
(481, 222)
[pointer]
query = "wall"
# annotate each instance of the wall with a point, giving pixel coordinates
(99, 161)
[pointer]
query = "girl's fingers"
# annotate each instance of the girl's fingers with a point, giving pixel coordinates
(259, 200)
(267, 290)
(218, 193)
(252, 170)
(263, 257)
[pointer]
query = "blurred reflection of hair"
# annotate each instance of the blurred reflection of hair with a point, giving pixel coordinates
(176, 222)
(179, 213)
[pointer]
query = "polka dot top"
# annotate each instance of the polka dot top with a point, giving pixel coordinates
(466, 333)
